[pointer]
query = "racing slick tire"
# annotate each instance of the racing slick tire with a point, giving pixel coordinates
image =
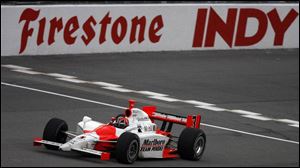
(191, 143)
(127, 148)
(54, 131)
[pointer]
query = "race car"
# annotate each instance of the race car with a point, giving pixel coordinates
(128, 136)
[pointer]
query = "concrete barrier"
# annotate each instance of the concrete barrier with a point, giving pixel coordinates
(73, 29)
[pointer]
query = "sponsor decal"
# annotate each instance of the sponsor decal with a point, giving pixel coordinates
(119, 29)
(149, 128)
(152, 145)
(237, 25)
(143, 119)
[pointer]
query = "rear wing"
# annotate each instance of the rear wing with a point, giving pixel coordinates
(190, 121)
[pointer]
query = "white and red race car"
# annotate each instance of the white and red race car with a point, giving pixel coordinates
(128, 136)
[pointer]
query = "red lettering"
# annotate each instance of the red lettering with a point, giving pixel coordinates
(54, 25)
(117, 38)
(89, 31)
(40, 38)
(280, 27)
(216, 24)
(68, 31)
(104, 22)
(70, 26)
(199, 29)
(28, 15)
(135, 22)
(152, 30)
(245, 13)
(226, 29)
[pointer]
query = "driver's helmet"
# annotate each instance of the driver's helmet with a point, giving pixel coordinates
(123, 122)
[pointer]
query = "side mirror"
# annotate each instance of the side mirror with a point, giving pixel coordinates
(86, 119)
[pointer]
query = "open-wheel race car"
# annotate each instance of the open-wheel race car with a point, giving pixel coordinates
(129, 136)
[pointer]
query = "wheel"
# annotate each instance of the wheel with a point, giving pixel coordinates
(54, 131)
(127, 148)
(191, 143)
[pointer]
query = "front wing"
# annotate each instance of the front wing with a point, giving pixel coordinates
(103, 155)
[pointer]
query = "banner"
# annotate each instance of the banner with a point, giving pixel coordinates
(75, 29)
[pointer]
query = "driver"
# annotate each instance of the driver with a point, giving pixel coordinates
(121, 121)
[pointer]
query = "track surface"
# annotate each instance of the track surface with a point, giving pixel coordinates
(263, 81)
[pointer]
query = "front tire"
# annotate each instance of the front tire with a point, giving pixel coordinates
(191, 143)
(54, 131)
(127, 148)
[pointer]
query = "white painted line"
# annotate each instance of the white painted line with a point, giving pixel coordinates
(198, 103)
(72, 80)
(154, 95)
(212, 108)
(14, 67)
(249, 133)
(258, 117)
(118, 89)
(57, 75)
(168, 99)
(149, 93)
(294, 125)
(243, 112)
(287, 121)
(105, 84)
(120, 107)
(62, 95)
(27, 71)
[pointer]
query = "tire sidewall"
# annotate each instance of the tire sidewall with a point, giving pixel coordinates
(187, 142)
(54, 132)
(125, 142)
(131, 160)
(200, 137)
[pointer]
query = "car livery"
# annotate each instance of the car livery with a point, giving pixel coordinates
(128, 136)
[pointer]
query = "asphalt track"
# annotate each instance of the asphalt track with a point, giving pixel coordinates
(263, 81)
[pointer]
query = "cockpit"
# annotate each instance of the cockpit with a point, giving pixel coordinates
(133, 117)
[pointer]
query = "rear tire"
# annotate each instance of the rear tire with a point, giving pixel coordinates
(191, 143)
(127, 148)
(54, 131)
